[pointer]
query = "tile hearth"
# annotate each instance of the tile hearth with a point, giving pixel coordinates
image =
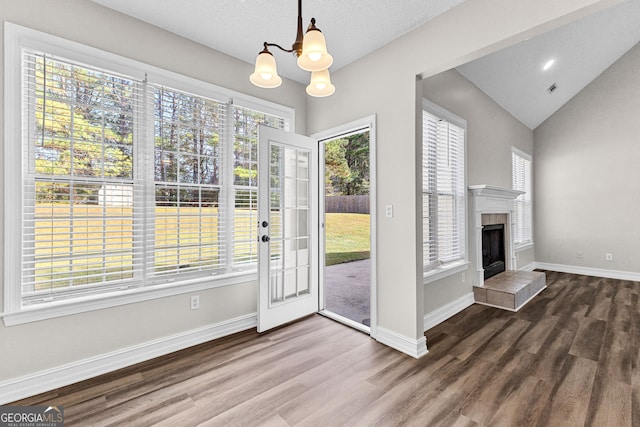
(510, 290)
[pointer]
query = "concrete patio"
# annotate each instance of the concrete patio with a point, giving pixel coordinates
(347, 290)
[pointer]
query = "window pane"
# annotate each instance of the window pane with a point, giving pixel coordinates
(245, 179)
(188, 229)
(82, 234)
(444, 191)
(78, 213)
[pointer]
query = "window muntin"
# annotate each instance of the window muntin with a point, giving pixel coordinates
(443, 192)
(523, 207)
(120, 187)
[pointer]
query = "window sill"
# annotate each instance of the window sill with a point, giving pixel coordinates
(523, 246)
(114, 299)
(445, 271)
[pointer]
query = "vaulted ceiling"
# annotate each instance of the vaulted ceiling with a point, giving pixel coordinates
(513, 77)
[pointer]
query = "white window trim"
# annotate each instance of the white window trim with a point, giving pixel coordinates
(529, 244)
(16, 37)
(445, 270)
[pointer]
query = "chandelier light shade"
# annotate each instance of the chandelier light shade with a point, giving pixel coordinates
(314, 55)
(311, 50)
(266, 71)
(320, 85)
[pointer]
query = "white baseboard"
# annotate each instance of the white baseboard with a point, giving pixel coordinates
(40, 382)
(587, 271)
(412, 347)
(528, 267)
(443, 313)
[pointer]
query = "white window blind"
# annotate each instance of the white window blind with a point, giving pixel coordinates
(443, 191)
(521, 181)
(127, 183)
(190, 228)
(245, 181)
(78, 171)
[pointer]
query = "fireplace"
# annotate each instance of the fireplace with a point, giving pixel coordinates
(493, 250)
(492, 206)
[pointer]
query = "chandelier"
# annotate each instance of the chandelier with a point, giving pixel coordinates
(310, 49)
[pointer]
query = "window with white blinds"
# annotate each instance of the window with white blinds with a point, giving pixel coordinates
(443, 191)
(245, 181)
(521, 181)
(79, 225)
(126, 183)
(188, 153)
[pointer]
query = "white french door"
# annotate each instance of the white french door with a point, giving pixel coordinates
(288, 227)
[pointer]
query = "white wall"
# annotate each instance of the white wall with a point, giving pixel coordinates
(491, 132)
(587, 174)
(383, 83)
(33, 347)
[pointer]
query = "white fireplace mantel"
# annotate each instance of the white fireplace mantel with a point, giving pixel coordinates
(492, 191)
(488, 199)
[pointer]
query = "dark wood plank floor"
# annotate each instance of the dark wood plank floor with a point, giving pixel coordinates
(570, 357)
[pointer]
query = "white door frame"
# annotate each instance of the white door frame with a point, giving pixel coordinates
(370, 123)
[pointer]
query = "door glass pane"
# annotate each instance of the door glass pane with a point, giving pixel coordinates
(289, 227)
(303, 165)
(303, 280)
(290, 223)
(290, 258)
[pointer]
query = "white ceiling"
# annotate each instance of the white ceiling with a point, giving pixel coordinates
(513, 77)
(352, 28)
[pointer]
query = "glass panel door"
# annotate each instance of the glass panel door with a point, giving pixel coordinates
(288, 227)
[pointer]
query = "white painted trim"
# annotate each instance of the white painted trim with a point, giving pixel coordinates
(524, 246)
(444, 271)
(355, 325)
(413, 347)
(588, 271)
(101, 301)
(443, 313)
(370, 122)
(49, 379)
(528, 267)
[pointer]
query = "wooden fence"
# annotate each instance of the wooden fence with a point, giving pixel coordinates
(346, 204)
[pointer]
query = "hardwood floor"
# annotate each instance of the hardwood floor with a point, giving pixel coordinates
(570, 357)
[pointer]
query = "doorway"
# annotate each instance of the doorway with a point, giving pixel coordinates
(347, 224)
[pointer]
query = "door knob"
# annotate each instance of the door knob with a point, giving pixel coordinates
(265, 223)
(265, 238)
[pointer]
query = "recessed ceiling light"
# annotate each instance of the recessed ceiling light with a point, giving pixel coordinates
(548, 64)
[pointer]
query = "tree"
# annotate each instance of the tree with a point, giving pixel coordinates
(347, 165)
(83, 128)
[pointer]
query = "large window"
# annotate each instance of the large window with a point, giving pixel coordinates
(521, 180)
(125, 180)
(443, 189)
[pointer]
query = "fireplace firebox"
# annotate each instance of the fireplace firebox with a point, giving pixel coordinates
(493, 250)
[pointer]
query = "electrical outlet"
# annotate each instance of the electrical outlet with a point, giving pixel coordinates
(608, 256)
(464, 277)
(388, 211)
(195, 302)
(579, 254)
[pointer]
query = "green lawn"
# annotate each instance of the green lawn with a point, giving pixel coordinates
(347, 237)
